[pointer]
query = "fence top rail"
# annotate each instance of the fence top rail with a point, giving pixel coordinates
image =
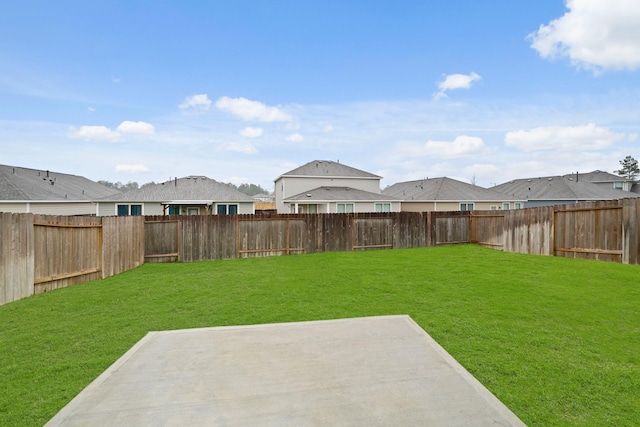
(598, 208)
(50, 224)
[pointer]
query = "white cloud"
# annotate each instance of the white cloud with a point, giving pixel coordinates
(563, 138)
(241, 148)
(252, 110)
(200, 102)
(295, 137)
(328, 128)
(593, 34)
(136, 168)
(461, 146)
(99, 133)
(455, 81)
(103, 133)
(138, 128)
(250, 132)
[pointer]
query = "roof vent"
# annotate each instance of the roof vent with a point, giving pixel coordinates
(308, 195)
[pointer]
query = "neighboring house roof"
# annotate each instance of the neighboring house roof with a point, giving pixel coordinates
(600, 177)
(339, 194)
(22, 184)
(327, 169)
(596, 176)
(188, 189)
(559, 188)
(442, 189)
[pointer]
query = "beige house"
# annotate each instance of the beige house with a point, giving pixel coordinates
(191, 195)
(446, 194)
(324, 186)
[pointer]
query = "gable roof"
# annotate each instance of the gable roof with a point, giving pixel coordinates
(190, 188)
(559, 188)
(339, 194)
(596, 176)
(21, 184)
(326, 169)
(442, 189)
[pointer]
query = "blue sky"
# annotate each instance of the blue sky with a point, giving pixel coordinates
(244, 91)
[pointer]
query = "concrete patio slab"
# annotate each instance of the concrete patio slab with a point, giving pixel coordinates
(374, 371)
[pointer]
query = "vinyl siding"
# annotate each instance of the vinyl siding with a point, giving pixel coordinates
(53, 208)
(50, 208)
(291, 186)
(13, 207)
(156, 208)
(332, 207)
(453, 206)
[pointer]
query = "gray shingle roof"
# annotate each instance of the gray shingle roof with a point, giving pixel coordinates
(22, 184)
(327, 168)
(196, 188)
(596, 176)
(337, 194)
(441, 189)
(559, 188)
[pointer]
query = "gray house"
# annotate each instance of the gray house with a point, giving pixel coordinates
(191, 195)
(447, 194)
(559, 190)
(324, 186)
(47, 192)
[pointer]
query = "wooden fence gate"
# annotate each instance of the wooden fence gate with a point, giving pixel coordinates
(68, 252)
(589, 232)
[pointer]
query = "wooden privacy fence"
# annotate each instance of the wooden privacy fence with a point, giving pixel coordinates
(40, 253)
(210, 237)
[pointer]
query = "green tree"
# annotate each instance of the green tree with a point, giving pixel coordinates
(131, 185)
(629, 169)
(248, 189)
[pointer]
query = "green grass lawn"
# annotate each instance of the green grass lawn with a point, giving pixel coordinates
(557, 340)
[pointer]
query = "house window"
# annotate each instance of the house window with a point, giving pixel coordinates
(518, 205)
(505, 206)
(617, 185)
(494, 208)
(345, 207)
(126, 210)
(466, 206)
(194, 211)
(174, 210)
(223, 209)
(383, 207)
